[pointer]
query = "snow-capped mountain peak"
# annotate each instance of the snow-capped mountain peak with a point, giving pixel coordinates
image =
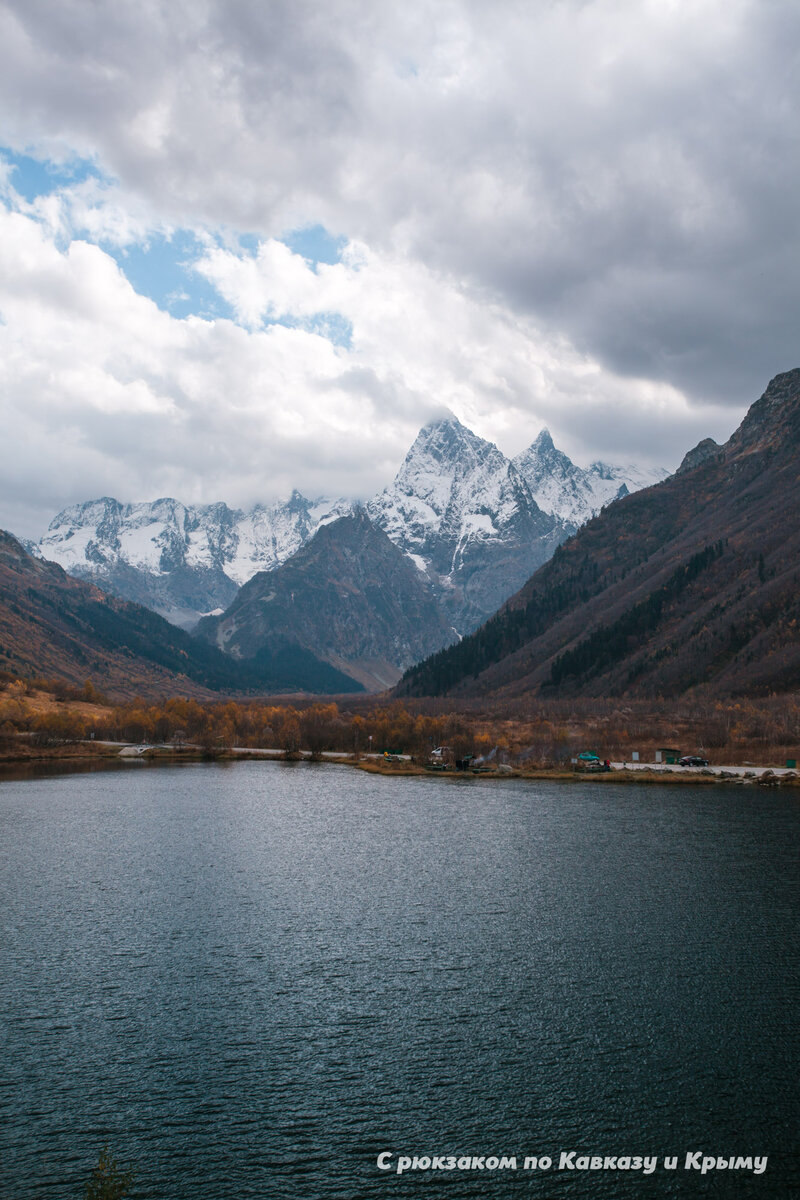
(476, 524)
(463, 513)
(451, 483)
(575, 493)
(543, 443)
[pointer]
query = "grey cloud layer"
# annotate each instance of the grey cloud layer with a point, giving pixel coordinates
(626, 174)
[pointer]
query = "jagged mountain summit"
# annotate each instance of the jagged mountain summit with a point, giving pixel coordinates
(691, 584)
(467, 518)
(573, 493)
(350, 596)
(180, 560)
(473, 522)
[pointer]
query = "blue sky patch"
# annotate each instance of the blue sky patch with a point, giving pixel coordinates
(316, 244)
(33, 177)
(162, 270)
(249, 242)
(162, 267)
(330, 325)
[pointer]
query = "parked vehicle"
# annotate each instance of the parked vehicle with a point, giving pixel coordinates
(692, 760)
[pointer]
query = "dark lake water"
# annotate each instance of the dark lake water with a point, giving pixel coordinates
(252, 980)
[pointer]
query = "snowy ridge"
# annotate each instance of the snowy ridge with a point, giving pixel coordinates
(269, 534)
(474, 522)
(181, 560)
(452, 485)
(574, 493)
(158, 537)
(464, 514)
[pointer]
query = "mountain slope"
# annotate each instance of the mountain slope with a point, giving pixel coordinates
(695, 581)
(349, 595)
(54, 625)
(462, 511)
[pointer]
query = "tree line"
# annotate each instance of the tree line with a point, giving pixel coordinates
(537, 730)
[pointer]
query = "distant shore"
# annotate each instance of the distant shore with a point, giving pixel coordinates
(96, 753)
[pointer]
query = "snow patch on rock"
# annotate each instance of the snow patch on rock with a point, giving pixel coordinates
(573, 493)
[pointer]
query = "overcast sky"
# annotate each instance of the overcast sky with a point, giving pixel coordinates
(247, 245)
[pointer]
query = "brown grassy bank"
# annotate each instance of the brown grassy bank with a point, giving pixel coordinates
(49, 718)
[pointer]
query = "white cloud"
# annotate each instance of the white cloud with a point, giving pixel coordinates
(580, 213)
(119, 397)
(586, 161)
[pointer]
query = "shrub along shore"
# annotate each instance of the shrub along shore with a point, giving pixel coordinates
(43, 720)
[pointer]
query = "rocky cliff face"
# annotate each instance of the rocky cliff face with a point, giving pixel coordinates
(349, 595)
(772, 424)
(704, 450)
(466, 516)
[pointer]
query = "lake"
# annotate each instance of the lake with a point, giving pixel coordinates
(252, 980)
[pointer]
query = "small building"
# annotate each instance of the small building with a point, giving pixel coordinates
(668, 754)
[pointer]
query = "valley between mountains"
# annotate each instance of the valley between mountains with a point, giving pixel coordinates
(366, 589)
(470, 576)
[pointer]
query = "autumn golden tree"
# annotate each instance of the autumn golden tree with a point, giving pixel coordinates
(109, 1180)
